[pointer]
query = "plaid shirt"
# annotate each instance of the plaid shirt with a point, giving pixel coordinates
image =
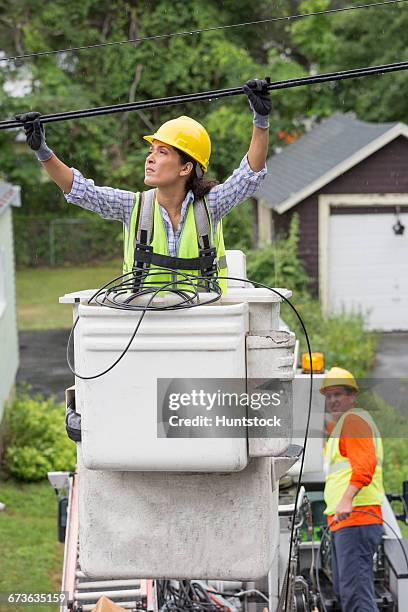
(118, 204)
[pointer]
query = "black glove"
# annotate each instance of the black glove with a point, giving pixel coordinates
(259, 100)
(35, 134)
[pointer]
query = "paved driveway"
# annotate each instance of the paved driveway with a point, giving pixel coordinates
(390, 371)
(43, 362)
(392, 356)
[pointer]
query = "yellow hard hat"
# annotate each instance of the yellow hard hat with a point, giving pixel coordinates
(187, 135)
(338, 376)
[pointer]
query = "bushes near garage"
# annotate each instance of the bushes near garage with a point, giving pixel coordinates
(35, 439)
(277, 264)
(342, 338)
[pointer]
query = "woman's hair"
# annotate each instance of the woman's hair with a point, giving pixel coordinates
(200, 186)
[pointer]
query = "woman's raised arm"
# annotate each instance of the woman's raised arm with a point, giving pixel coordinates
(261, 104)
(35, 134)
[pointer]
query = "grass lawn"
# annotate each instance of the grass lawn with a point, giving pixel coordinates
(38, 290)
(31, 556)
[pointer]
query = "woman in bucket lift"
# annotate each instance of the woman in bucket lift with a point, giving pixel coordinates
(185, 209)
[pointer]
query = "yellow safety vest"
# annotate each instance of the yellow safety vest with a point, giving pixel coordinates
(339, 468)
(188, 246)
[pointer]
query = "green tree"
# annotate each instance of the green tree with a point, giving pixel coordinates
(355, 39)
(110, 148)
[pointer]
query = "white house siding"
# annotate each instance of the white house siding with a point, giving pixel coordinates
(8, 322)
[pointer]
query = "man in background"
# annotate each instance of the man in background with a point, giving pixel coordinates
(353, 491)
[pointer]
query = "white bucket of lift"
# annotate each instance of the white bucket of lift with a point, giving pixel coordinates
(119, 409)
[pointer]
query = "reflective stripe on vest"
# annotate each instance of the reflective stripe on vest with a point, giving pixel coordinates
(339, 468)
(341, 465)
(187, 245)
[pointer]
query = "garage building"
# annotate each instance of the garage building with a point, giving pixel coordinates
(348, 182)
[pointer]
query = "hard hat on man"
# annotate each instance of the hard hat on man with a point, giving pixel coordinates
(338, 377)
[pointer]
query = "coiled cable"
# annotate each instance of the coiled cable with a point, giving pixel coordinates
(118, 293)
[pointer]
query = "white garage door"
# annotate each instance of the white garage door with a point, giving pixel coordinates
(368, 268)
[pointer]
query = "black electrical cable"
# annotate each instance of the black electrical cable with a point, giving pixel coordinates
(191, 32)
(212, 95)
(325, 535)
(188, 597)
(210, 591)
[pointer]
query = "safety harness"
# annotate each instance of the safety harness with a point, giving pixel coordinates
(206, 264)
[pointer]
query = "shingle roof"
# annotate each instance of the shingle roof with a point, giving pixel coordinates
(9, 195)
(329, 144)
